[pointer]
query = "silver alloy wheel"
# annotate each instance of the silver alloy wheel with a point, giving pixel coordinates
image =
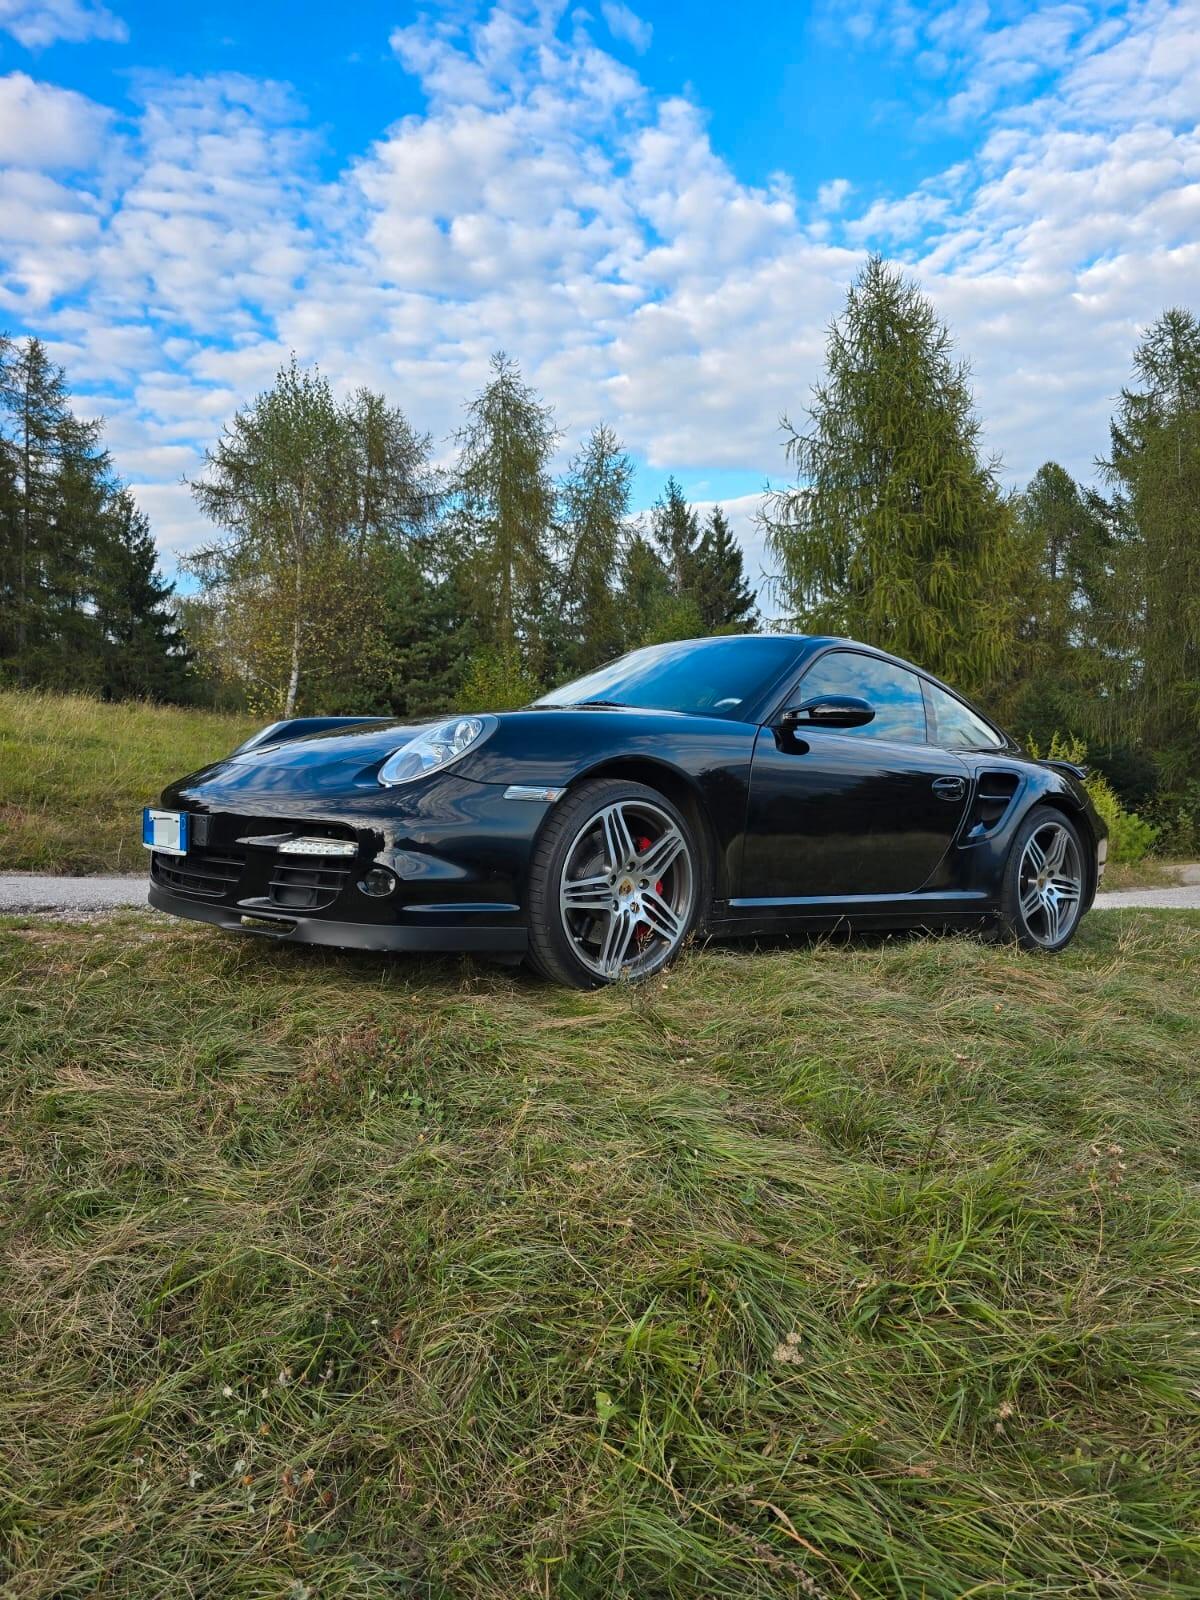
(1050, 883)
(626, 890)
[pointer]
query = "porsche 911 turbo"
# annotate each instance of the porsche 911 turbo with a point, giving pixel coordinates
(752, 785)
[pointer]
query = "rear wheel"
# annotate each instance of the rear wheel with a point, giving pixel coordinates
(614, 886)
(1044, 881)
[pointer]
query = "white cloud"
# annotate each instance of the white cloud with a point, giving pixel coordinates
(48, 128)
(35, 23)
(548, 203)
(626, 25)
(178, 526)
(832, 196)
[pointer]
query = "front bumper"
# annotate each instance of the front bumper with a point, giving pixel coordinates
(431, 939)
(457, 851)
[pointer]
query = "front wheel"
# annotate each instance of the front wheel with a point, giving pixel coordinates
(614, 886)
(1044, 879)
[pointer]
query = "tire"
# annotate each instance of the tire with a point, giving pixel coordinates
(1045, 880)
(616, 885)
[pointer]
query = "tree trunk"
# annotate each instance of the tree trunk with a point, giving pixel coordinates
(289, 704)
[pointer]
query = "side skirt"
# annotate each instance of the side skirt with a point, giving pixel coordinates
(958, 908)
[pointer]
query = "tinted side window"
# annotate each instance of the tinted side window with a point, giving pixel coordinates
(895, 695)
(956, 727)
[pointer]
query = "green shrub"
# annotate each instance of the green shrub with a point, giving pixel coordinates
(1130, 837)
(1178, 816)
(498, 680)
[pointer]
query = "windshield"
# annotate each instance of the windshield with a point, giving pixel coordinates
(714, 677)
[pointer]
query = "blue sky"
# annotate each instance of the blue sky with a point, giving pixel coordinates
(655, 208)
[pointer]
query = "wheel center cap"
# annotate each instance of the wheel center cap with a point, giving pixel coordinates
(625, 887)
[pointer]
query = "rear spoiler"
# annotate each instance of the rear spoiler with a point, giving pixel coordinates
(1069, 767)
(299, 728)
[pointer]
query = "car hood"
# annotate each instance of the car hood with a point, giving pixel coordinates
(335, 760)
(546, 746)
(365, 744)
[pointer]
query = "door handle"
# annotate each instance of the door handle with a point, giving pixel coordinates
(949, 788)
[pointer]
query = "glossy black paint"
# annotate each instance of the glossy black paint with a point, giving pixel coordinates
(808, 827)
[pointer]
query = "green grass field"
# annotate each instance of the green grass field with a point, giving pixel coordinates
(75, 774)
(827, 1271)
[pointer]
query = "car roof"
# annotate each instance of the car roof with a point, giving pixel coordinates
(813, 641)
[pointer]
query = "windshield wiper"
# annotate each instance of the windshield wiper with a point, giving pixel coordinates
(573, 705)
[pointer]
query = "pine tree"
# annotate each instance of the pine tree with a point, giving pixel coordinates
(644, 586)
(1065, 586)
(725, 599)
(652, 613)
(502, 498)
(10, 513)
(394, 491)
(34, 395)
(595, 506)
(83, 606)
(71, 652)
(144, 654)
(896, 532)
(675, 532)
(1155, 466)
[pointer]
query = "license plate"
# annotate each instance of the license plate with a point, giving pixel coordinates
(165, 831)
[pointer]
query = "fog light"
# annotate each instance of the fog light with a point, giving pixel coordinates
(378, 882)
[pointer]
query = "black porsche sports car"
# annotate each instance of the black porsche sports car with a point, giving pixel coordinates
(737, 785)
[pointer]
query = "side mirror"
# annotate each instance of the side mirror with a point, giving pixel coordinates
(829, 711)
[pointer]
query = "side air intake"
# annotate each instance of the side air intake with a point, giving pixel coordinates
(993, 795)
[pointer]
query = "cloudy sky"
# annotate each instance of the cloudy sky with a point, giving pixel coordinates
(655, 210)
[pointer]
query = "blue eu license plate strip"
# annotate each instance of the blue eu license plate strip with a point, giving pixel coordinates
(165, 831)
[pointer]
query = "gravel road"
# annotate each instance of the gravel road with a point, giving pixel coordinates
(1184, 896)
(70, 897)
(81, 898)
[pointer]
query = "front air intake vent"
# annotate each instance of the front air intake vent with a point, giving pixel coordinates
(994, 791)
(207, 874)
(308, 887)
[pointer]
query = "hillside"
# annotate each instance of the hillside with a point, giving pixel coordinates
(76, 772)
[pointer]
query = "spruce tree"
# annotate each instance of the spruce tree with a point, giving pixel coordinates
(1065, 587)
(144, 654)
(651, 611)
(83, 606)
(594, 507)
(1155, 466)
(10, 513)
(675, 532)
(725, 599)
(896, 532)
(644, 586)
(34, 395)
(502, 499)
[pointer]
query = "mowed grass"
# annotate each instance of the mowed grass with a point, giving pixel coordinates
(830, 1270)
(76, 772)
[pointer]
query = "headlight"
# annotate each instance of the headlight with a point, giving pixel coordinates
(435, 748)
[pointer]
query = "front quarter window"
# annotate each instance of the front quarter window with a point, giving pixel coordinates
(956, 726)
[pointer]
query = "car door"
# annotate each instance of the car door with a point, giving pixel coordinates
(861, 811)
